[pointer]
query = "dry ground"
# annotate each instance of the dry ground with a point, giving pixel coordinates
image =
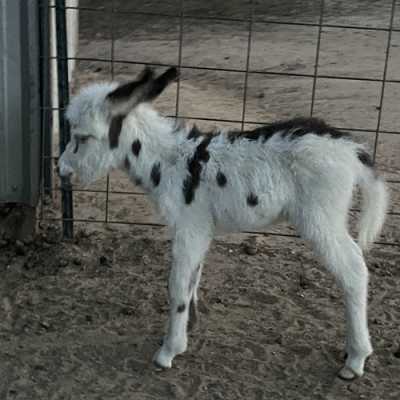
(81, 319)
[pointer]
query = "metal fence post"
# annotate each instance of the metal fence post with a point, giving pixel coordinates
(63, 99)
(46, 117)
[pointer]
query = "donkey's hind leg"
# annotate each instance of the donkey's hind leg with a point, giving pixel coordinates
(343, 258)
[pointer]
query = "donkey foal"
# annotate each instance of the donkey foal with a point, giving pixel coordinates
(300, 170)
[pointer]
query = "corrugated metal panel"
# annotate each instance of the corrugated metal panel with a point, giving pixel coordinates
(19, 102)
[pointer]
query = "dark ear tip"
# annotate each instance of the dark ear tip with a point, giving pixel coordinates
(172, 74)
(146, 74)
(123, 91)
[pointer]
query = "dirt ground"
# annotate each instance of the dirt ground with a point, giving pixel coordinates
(81, 319)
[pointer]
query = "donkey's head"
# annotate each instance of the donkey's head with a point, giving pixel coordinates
(96, 117)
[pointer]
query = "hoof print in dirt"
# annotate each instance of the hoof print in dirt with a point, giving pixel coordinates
(45, 325)
(127, 311)
(53, 235)
(28, 264)
(104, 261)
(146, 260)
(82, 234)
(250, 249)
(88, 318)
(63, 263)
(304, 283)
(77, 261)
(20, 248)
(396, 353)
(28, 241)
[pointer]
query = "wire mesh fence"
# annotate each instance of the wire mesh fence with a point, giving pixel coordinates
(238, 43)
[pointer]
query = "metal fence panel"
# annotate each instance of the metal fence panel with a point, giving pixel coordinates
(19, 102)
(250, 19)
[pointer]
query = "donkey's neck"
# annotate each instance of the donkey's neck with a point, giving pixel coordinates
(150, 144)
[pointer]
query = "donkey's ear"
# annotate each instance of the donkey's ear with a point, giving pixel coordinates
(128, 95)
(158, 85)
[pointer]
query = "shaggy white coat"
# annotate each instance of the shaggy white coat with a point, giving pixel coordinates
(307, 181)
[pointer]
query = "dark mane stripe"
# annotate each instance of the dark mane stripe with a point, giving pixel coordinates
(115, 130)
(194, 165)
(294, 128)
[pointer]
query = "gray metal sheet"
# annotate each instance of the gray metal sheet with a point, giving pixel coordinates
(19, 102)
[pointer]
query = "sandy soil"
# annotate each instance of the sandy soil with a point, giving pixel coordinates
(81, 319)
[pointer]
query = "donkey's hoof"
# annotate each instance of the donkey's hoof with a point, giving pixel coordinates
(159, 367)
(347, 374)
(162, 361)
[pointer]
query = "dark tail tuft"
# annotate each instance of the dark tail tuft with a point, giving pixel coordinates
(365, 158)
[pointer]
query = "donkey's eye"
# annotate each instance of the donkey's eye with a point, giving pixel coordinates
(83, 139)
(80, 140)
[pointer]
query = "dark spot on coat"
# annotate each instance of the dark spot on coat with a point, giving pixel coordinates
(138, 181)
(294, 128)
(115, 130)
(194, 133)
(127, 163)
(221, 179)
(155, 174)
(365, 158)
(181, 308)
(202, 153)
(136, 147)
(194, 165)
(252, 200)
(188, 189)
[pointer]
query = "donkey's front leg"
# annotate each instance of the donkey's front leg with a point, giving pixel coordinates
(188, 252)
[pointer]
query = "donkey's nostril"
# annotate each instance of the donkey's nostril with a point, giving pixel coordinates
(64, 170)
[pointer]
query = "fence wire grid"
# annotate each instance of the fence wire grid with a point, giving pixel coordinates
(182, 15)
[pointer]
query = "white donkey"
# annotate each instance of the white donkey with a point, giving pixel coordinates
(300, 170)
